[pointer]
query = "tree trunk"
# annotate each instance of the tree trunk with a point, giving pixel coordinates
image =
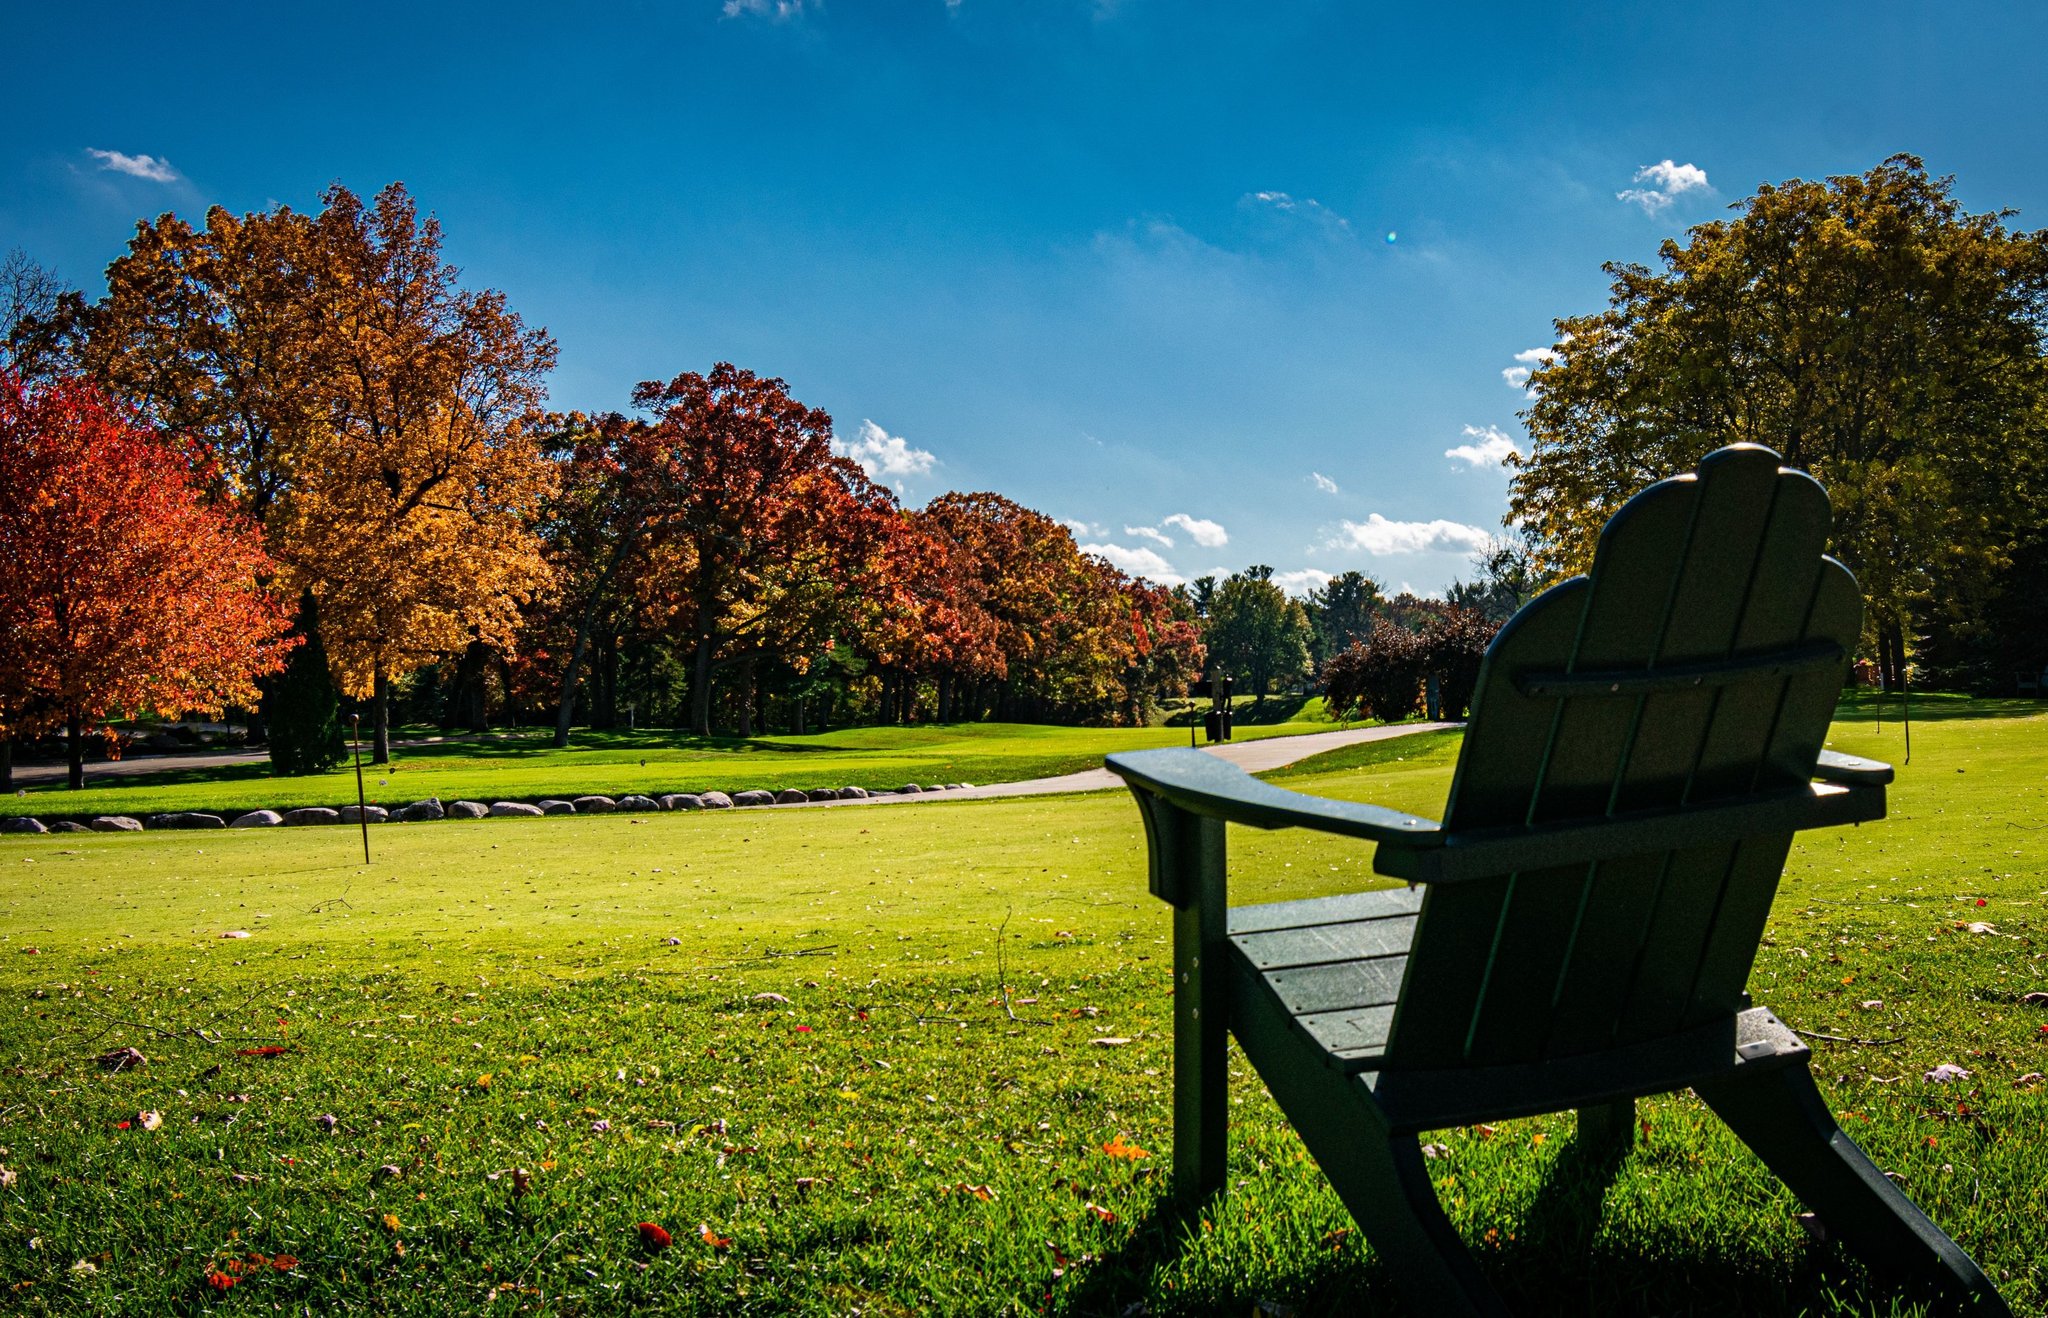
(6, 765)
(746, 698)
(700, 688)
(799, 729)
(74, 748)
(380, 700)
(945, 695)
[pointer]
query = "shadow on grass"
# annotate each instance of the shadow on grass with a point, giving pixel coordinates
(1931, 707)
(1551, 1262)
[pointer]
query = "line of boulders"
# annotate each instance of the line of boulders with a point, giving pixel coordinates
(433, 808)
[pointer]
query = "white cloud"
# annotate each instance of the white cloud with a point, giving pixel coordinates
(779, 11)
(1138, 562)
(1376, 535)
(1323, 483)
(1151, 533)
(154, 168)
(1491, 449)
(1207, 534)
(1530, 359)
(1667, 181)
(1301, 582)
(883, 455)
(1307, 208)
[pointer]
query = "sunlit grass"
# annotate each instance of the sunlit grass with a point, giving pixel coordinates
(889, 1133)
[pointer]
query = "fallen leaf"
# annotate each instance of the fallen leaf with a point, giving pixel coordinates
(121, 1059)
(653, 1236)
(267, 1050)
(284, 1263)
(390, 1171)
(1334, 1239)
(8, 1176)
(1436, 1151)
(1946, 1072)
(2034, 999)
(1117, 1148)
(149, 1120)
(1102, 1214)
(712, 1238)
(391, 1222)
(236, 933)
(1110, 1041)
(1875, 1004)
(83, 1268)
(1812, 1226)
(327, 1121)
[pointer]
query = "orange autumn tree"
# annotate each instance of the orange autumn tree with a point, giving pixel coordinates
(122, 589)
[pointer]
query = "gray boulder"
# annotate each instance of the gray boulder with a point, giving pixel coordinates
(595, 805)
(682, 801)
(715, 800)
(909, 789)
(258, 819)
(431, 808)
(791, 796)
(853, 793)
(754, 796)
(514, 808)
(116, 824)
(634, 803)
(933, 787)
(954, 787)
(21, 824)
(69, 826)
(187, 819)
(376, 814)
(822, 794)
(467, 810)
(557, 808)
(311, 814)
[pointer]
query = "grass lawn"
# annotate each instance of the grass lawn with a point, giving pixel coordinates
(524, 766)
(782, 1037)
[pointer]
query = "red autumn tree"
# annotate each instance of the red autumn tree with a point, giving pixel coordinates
(768, 532)
(121, 588)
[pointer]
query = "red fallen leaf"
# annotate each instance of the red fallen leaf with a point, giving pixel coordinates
(1335, 1239)
(267, 1050)
(284, 1263)
(653, 1236)
(1102, 1214)
(1117, 1148)
(1982, 902)
(221, 1281)
(123, 1125)
(803, 1029)
(712, 1238)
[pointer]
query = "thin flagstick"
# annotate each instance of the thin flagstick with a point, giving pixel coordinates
(362, 810)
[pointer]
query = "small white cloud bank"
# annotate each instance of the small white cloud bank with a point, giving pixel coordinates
(1488, 447)
(1668, 181)
(1377, 535)
(1137, 561)
(1301, 581)
(1517, 377)
(776, 11)
(1207, 534)
(1323, 483)
(1152, 533)
(155, 169)
(1302, 208)
(884, 456)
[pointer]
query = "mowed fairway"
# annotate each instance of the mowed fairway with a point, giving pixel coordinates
(496, 1064)
(524, 766)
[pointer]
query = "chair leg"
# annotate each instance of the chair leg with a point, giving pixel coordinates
(1384, 1181)
(1781, 1115)
(1609, 1126)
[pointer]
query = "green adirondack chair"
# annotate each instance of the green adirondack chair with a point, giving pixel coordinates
(1578, 930)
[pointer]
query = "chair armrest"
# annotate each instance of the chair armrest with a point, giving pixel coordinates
(1851, 770)
(1218, 789)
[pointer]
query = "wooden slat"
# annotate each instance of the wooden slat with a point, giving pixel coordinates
(1320, 944)
(1326, 910)
(1351, 1036)
(1343, 986)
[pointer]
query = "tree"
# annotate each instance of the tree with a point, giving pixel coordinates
(1340, 611)
(1504, 579)
(766, 519)
(38, 319)
(299, 708)
(1380, 677)
(1866, 328)
(121, 588)
(1256, 632)
(1453, 646)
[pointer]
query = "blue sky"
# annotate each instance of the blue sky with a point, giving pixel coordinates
(1220, 284)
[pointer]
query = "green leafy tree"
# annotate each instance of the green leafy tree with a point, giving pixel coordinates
(1868, 329)
(301, 708)
(1255, 632)
(1341, 611)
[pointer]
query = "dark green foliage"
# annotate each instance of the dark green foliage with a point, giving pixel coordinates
(1341, 613)
(301, 706)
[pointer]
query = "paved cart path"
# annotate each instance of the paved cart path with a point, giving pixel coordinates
(1251, 756)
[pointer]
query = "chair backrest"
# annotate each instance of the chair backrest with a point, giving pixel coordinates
(1700, 659)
